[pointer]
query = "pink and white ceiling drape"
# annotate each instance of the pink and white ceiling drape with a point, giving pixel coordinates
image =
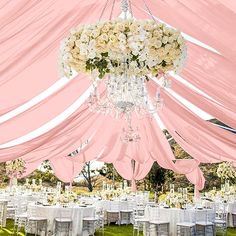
(29, 43)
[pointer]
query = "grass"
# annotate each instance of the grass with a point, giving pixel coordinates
(112, 230)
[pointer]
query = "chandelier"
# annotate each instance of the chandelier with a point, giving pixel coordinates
(124, 54)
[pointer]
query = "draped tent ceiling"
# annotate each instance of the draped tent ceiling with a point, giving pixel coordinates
(45, 117)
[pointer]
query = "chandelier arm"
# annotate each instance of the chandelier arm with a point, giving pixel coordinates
(103, 10)
(130, 8)
(112, 9)
(149, 11)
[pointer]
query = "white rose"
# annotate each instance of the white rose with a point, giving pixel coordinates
(165, 39)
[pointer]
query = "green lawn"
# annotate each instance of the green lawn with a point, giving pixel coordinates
(112, 230)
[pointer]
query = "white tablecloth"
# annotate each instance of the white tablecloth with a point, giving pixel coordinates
(77, 214)
(175, 215)
(20, 197)
(231, 209)
(116, 204)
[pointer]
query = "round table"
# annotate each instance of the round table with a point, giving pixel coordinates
(176, 215)
(113, 205)
(77, 214)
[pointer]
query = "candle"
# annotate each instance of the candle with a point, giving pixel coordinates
(155, 197)
(227, 186)
(185, 191)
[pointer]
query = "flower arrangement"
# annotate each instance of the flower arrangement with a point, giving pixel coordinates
(138, 47)
(109, 194)
(226, 171)
(15, 168)
(63, 198)
(51, 199)
(175, 199)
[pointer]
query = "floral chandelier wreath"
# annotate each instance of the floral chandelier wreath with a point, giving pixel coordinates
(125, 53)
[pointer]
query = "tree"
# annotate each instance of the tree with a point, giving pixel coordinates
(110, 173)
(156, 177)
(89, 176)
(3, 177)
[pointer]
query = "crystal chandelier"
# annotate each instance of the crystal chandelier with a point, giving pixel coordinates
(124, 54)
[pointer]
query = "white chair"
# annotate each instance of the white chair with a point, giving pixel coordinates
(35, 224)
(21, 216)
(11, 208)
(89, 225)
(206, 226)
(140, 222)
(126, 214)
(2, 208)
(63, 223)
(187, 226)
(161, 227)
(113, 214)
(234, 219)
(221, 218)
(100, 216)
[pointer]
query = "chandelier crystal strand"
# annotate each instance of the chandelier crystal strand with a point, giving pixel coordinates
(129, 134)
(125, 6)
(130, 9)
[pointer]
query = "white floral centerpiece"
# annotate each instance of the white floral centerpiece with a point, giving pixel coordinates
(174, 199)
(51, 199)
(143, 47)
(63, 198)
(110, 194)
(226, 171)
(66, 198)
(15, 169)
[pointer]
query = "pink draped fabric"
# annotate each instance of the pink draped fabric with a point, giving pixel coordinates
(45, 111)
(212, 74)
(30, 167)
(29, 42)
(130, 173)
(211, 142)
(208, 105)
(22, 149)
(162, 152)
(196, 177)
(66, 168)
(125, 169)
(36, 77)
(230, 4)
